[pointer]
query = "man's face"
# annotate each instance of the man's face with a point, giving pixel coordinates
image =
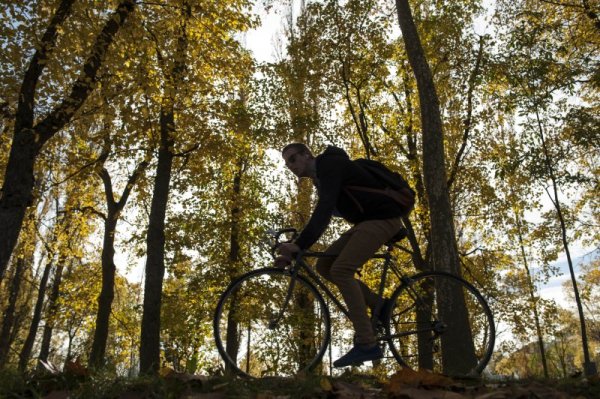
(297, 161)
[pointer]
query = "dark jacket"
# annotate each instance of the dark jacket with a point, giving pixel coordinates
(335, 171)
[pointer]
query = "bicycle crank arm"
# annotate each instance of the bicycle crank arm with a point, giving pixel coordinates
(407, 333)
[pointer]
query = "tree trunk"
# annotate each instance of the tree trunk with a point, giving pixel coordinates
(107, 293)
(457, 344)
(52, 309)
(17, 188)
(17, 192)
(533, 300)
(412, 155)
(232, 343)
(155, 243)
(8, 321)
(37, 314)
(588, 366)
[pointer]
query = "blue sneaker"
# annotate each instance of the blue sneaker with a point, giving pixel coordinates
(359, 354)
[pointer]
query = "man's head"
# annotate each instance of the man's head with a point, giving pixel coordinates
(299, 159)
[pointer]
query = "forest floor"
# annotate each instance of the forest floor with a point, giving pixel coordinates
(406, 384)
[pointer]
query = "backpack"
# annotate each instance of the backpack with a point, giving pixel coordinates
(396, 187)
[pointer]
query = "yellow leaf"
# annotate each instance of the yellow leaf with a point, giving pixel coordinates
(326, 385)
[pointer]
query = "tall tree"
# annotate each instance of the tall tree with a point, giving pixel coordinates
(458, 345)
(174, 73)
(29, 137)
(105, 299)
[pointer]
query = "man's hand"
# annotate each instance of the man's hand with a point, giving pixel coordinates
(282, 261)
(287, 250)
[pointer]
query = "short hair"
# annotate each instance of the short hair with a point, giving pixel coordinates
(300, 147)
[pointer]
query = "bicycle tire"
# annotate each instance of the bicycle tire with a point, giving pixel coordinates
(451, 349)
(259, 348)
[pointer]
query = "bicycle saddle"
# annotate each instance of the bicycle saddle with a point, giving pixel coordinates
(399, 236)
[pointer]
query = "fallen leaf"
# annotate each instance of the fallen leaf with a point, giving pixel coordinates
(326, 385)
(76, 368)
(190, 377)
(58, 395)
(133, 395)
(268, 395)
(346, 390)
(493, 395)
(165, 371)
(220, 386)
(416, 393)
(543, 391)
(419, 378)
(210, 395)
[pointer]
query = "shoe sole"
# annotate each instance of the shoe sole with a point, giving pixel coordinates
(358, 362)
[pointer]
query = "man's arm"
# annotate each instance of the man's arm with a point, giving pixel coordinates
(330, 182)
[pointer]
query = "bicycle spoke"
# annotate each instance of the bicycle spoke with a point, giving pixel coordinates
(429, 328)
(281, 327)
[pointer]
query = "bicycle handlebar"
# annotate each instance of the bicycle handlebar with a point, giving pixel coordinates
(278, 234)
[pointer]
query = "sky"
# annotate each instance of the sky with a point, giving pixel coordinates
(554, 289)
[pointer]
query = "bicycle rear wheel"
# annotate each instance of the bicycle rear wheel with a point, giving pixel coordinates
(441, 323)
(268, 324)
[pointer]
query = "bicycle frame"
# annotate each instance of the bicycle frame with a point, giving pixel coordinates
(300, 264)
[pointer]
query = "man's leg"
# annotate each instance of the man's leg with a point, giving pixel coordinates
(364, 241)
(324, 264)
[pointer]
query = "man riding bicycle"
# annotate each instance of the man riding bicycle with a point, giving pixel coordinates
(376, 218)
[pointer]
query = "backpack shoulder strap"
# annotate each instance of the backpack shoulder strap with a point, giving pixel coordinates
(404, 196)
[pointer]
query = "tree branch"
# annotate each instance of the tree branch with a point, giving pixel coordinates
(108, 189)
(357, 122)
(564, 4)
(186, 152)
(469, 119)
(591, 14)
(36, 66)
(85, 82)
(70, 176)
(90, 209)
(130, 183)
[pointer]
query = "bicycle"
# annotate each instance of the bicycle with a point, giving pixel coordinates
(275, 322)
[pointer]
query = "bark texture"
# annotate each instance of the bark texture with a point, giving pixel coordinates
(8, 321)
(155, 240)
(232, 343)
(456, 343)
(52, 309)
(25, 354)
(107, 292)
(155, 243)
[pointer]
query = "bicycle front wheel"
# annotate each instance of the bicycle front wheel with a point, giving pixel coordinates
(270, 324)
(440, 322)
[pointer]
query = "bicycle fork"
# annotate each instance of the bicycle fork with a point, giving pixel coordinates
(274, 321)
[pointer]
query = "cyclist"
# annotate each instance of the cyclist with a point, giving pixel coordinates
(376, 218)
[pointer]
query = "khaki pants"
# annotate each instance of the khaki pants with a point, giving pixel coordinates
(355, 247)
